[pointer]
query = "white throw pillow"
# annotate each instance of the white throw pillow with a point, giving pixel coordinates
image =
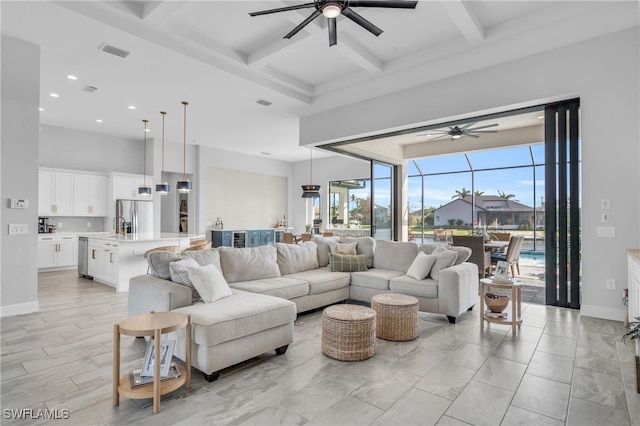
(180, 275)
(444, 259)
(209, 282)
(343, 248)
(421, 266)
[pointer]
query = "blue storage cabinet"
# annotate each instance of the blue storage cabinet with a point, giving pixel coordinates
(267, 237)
(253, 238)
(222, 238)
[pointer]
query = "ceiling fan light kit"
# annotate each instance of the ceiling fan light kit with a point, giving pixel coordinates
(331, 9)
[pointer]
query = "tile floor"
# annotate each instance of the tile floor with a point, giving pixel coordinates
(560, 368)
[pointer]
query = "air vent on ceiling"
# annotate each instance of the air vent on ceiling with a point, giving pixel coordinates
(263, 102)
(114, 50)
(89, 88)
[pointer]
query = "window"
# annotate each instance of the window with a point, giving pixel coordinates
(350, 203)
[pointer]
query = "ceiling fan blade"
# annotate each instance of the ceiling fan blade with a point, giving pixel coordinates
(466, 126)
(484, 127)
(303, 24)
(482, 131)
(384, 3)
(471, 135)
(282, 9)
(333, 32)
(439, 137)
(432, 132)
(355, 17)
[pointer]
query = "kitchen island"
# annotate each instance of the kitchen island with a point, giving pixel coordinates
(114, 259)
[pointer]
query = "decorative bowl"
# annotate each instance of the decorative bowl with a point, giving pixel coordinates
(496, 303)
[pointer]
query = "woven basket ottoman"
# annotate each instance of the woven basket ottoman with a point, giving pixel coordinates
(349, 332)
(397, 316)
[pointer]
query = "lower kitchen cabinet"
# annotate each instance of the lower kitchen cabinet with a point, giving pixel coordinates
(102, 264)
(57, 251)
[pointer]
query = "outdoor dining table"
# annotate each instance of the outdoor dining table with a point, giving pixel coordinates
(496, 245)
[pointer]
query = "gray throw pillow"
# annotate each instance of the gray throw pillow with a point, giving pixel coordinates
(159, 263)
(421, 266)
(444, 259)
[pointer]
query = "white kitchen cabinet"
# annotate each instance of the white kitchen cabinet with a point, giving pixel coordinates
(103, 261)
(55, 193)
(126, 186)
(89, 195)
(57, 251)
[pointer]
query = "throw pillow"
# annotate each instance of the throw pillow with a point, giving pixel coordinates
(180, 275)
(209, 282)
(342, 248)
(159, 263)
(364, 245)
(347, 262)
(421, 266)
(444, 259)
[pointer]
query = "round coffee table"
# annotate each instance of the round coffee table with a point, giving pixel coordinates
(349, 332)
(397, 316)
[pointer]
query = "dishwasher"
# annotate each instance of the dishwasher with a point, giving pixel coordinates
(83, 257)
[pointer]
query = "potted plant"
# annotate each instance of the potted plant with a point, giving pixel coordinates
(633, 334)
(308, 228)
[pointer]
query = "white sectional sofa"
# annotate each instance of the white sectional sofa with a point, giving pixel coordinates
(272, 284)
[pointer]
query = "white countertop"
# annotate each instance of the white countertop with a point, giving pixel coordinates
(130, 238)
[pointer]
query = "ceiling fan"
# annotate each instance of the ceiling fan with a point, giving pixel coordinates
(456, 132)
(331, 9)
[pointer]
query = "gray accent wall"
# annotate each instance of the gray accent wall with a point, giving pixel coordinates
(19, 175)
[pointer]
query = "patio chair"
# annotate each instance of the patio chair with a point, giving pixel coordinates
(512, 255)
(196, 247)
(327, 234)
(305, 237)
(479, 255)
(289, 238)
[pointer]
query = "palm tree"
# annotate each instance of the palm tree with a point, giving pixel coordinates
(505, 195)
(464, 192)
(478, 193)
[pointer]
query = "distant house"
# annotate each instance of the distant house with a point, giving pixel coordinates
(489, 210)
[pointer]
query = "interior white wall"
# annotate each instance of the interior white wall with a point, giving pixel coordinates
(20, 69)
(218, 158)
(603, 72)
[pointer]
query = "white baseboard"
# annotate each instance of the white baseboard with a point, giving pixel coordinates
(603, 313)
(19, 309)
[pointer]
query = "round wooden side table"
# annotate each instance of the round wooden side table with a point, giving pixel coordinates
(396, 316)
(153, 324)
(513, 318)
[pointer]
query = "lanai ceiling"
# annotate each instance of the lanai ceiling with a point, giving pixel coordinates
(221, 60)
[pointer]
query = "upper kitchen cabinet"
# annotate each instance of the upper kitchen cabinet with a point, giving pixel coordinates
(126, 186)
(55, 195)
(89, 195)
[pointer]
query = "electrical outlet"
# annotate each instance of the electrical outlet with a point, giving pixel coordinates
(18, 229)
(88, 224)
(610, 284)
(59, 224)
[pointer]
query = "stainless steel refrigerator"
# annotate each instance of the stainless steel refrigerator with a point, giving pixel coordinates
(137, 216)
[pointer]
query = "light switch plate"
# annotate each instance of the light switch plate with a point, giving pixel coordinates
(18, 229)
(605, 204)
(606, 231)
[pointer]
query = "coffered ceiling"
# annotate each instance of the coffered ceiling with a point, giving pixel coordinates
(221, 60)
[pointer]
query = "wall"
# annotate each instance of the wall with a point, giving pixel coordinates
(19, 174)
(603, 72)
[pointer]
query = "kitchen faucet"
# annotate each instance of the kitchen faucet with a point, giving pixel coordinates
(122, 230)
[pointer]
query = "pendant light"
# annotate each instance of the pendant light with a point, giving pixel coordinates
(183, 184)
(310, 191)
(144, 190)
(163, 187)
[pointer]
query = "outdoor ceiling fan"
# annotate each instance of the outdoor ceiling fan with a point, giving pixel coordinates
(456, 132)
(331, 9)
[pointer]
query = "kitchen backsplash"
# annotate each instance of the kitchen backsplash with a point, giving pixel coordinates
(80, 224)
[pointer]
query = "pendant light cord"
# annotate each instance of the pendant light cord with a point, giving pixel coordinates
(144, 161)
(184, 154)
(310, 166)
(162, 172)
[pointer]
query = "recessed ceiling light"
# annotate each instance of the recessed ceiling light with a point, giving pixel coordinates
(40, 109)
(72, 77)
(132, 107)
(265, 153)
(54, 95)
(147, 130)
(98, 120)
